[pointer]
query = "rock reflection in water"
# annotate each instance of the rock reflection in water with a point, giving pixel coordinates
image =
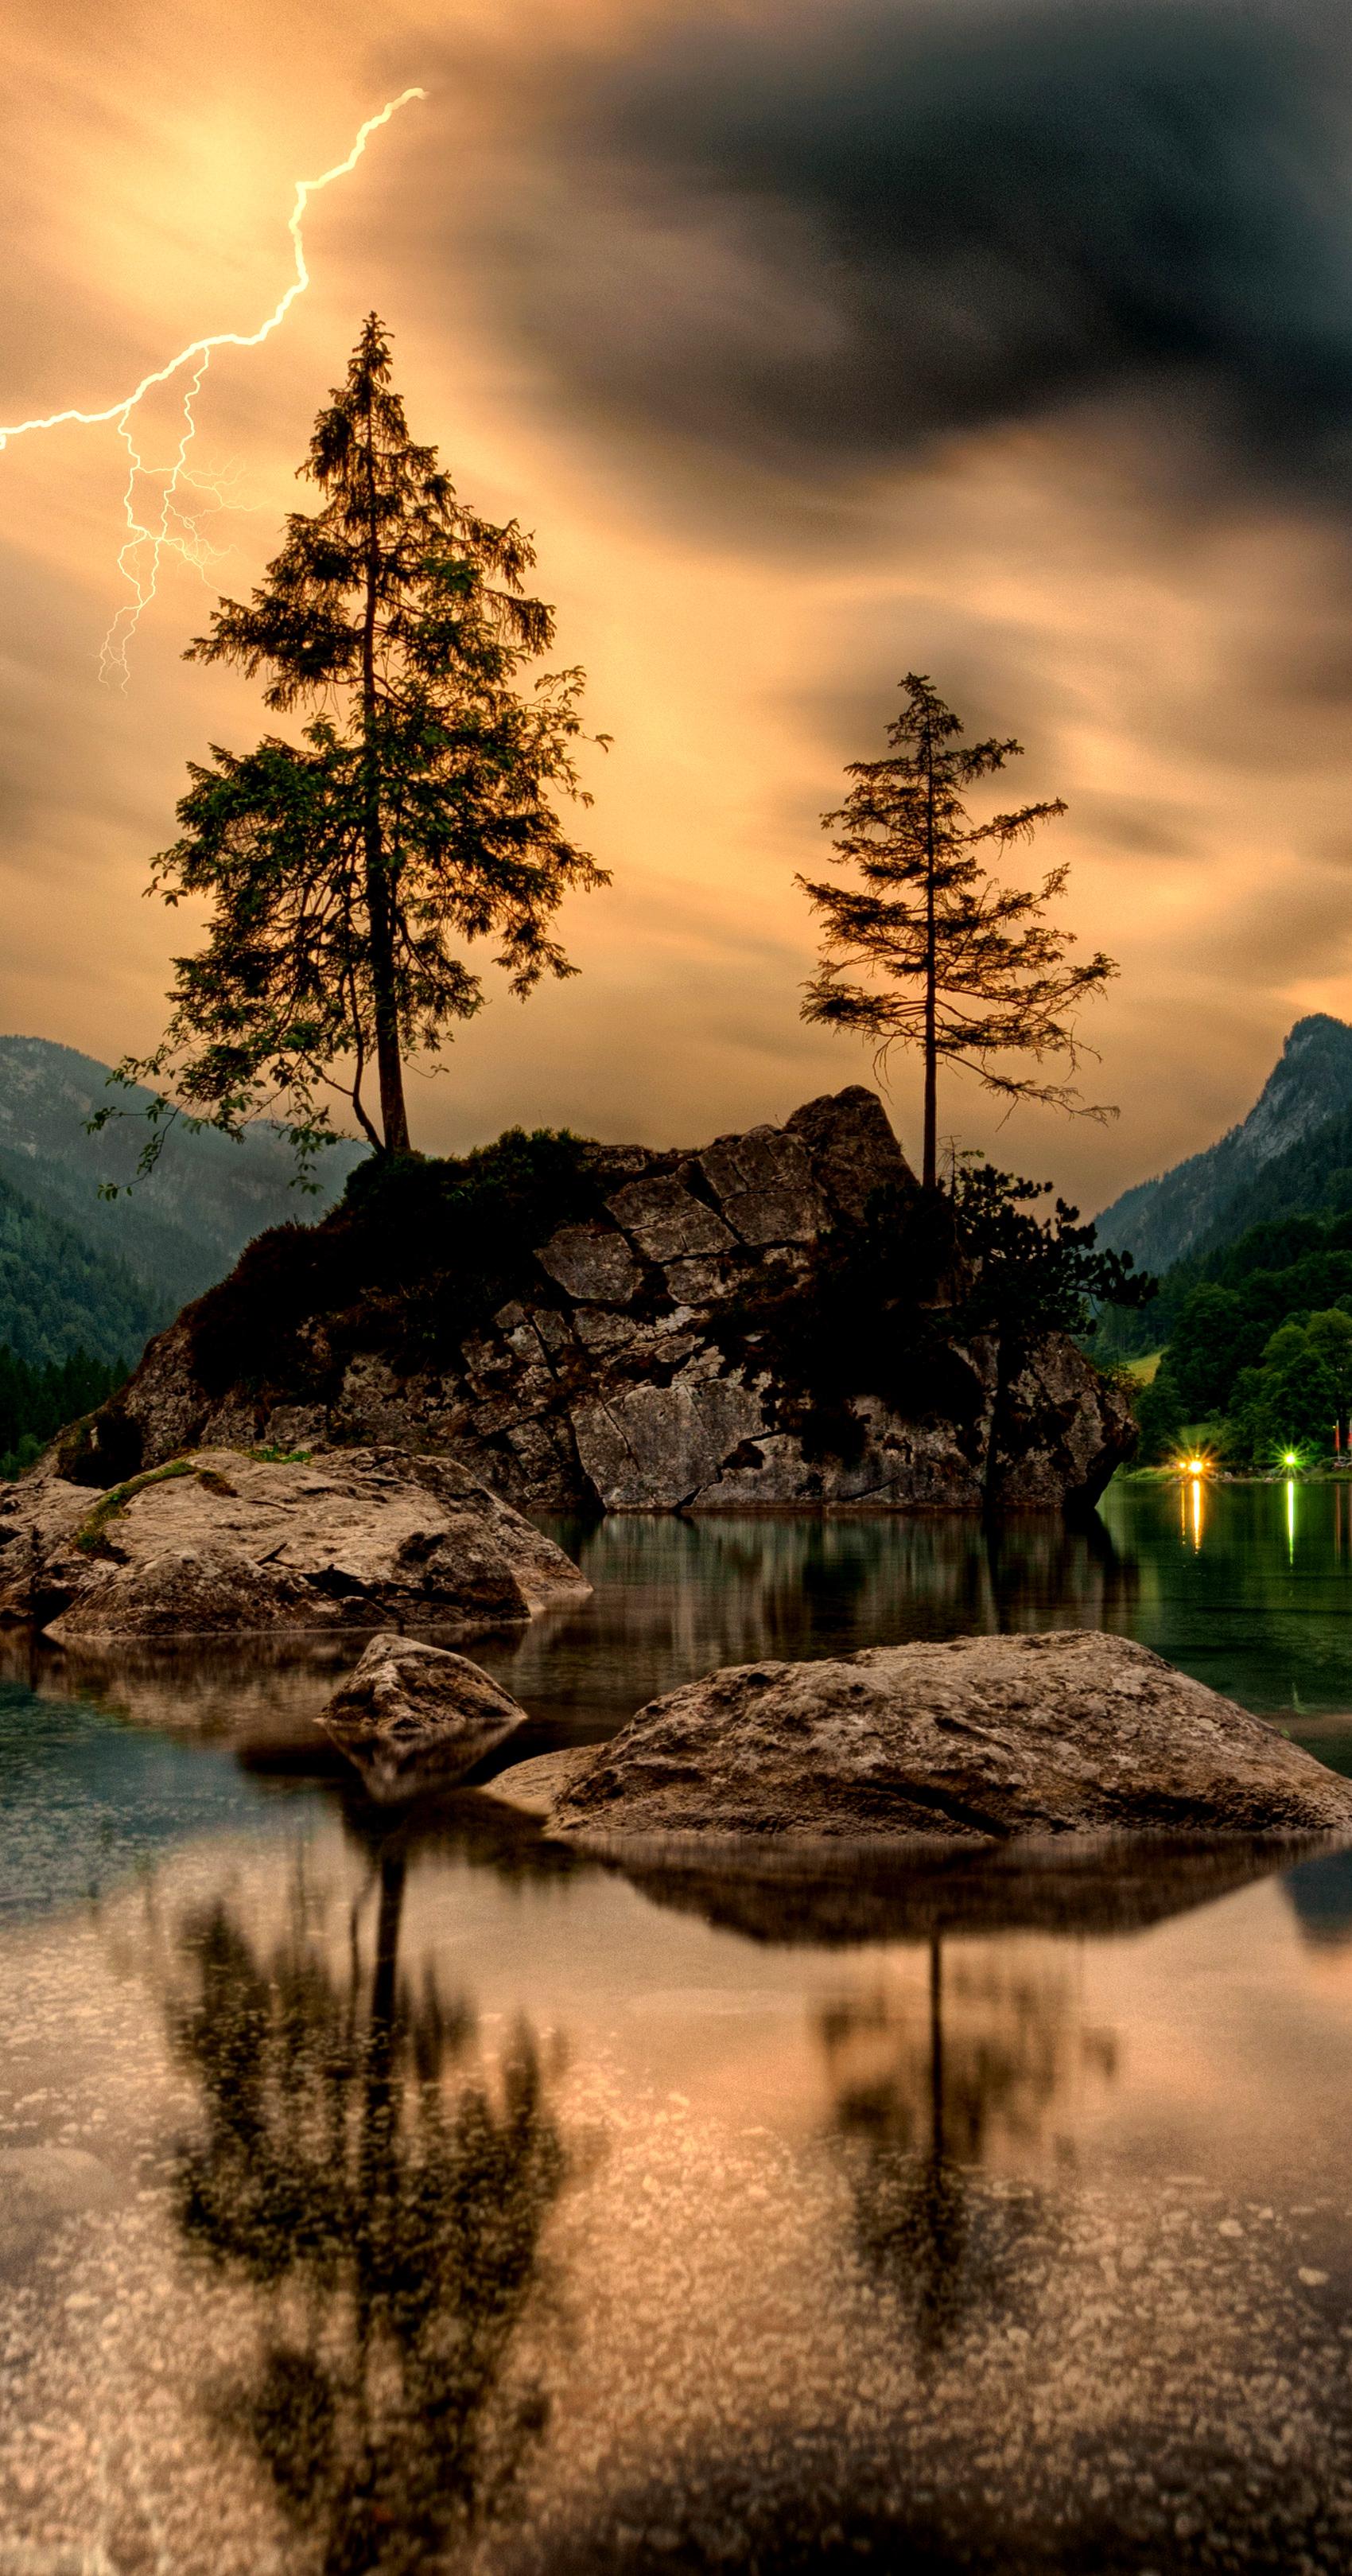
(918, 2105)
(1320, 1892)
(676, 1598)
(386, 2203)
(830, 1896)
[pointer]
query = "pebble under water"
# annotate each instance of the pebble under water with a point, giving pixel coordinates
(390, 2190)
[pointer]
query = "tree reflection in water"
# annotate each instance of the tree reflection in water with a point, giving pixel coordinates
(387, 2203)
(949, 2244)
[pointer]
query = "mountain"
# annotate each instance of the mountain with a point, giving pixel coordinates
(59, 1295)
(79, 1270)
(1292, 1155)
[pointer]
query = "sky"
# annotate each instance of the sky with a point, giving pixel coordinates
(817, 341)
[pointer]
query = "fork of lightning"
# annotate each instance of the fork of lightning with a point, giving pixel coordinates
(175, 529)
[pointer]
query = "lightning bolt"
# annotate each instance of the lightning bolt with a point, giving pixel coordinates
(176, 530)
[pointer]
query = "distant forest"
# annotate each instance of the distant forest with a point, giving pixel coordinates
(1258, 1357)
(61, 1294)
(36, 1403)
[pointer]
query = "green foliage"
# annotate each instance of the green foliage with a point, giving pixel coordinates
(891, 1301)
(1033, 1277)
(59, 1295)
(36, 1403)
(175, 1235)
(419, 1254)
(417, 813)
(1216, 1196)
(1276, 1248)
(422, 1254)
(1301, 1387)
(1259, 1345)
(965, 969)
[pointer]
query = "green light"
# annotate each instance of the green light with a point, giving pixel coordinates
(1290, 1458)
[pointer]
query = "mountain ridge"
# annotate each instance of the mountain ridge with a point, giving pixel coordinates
(1291, 1136)
(77, 1270)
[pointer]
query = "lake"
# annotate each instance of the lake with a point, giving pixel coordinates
(392, 2190)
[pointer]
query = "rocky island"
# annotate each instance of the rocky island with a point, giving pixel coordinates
(778, 1319)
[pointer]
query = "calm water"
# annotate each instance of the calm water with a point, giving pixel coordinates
(391, 2191)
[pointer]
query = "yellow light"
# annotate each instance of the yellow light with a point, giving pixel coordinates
(1290, 1458)
(1197, 1466)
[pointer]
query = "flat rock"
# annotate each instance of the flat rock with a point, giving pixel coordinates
(971, 1741)
(412, 1714)
(666, 1221)
(593, 1262)
(223, 1541)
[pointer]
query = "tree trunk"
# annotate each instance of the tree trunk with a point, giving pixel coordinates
(377, 2167)
(379, 906)
(930, 1167)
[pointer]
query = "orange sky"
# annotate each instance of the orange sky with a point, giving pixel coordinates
(1182, 678)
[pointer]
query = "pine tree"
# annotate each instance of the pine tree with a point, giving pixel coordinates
(967, 970)
(416, 814)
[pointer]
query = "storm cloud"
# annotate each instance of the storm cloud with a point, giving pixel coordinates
(826, 236)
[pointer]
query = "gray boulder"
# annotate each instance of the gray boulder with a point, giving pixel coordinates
(412, 1715)
(972, 1741)
(223, 1541)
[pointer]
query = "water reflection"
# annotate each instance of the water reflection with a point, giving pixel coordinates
(1191, 1511)
(675, 1598)
(1320, 1891)
(920, 2103)
(384, 2199)
(827, 1897)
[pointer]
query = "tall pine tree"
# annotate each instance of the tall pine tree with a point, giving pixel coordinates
(417, 813)
(967, 970)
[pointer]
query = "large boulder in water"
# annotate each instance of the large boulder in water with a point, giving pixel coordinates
(413, 1714)
(226, 1542)
(971, 1741)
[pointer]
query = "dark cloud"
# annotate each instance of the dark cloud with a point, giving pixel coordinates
(822, 236)
(1139, 825)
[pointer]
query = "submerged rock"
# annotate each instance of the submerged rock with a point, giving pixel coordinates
(413, 1714)
(973, 1741)
(223, 1541)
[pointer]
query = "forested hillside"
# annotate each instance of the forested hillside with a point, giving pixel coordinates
(36, 1402)
(60, 1294)
(1258, 1360)
(181, 1229)
(1291, 1155)
(78, 1272)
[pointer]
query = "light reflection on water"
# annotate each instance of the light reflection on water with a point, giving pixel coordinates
(395, 2190)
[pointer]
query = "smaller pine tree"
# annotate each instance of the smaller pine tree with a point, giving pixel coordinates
(967, 970)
